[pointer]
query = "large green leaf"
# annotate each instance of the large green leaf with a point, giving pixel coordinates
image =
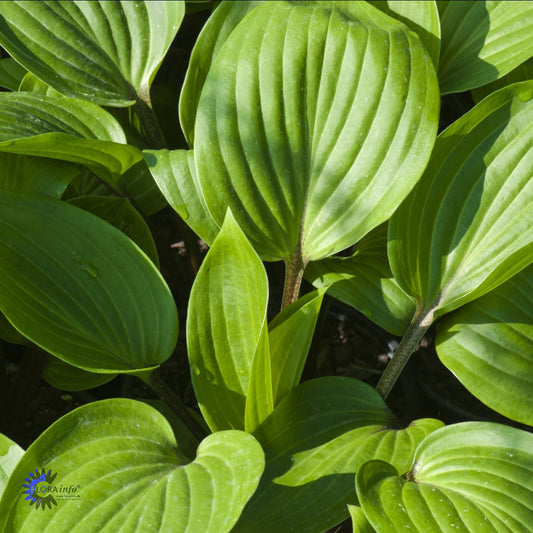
(466, 227)
(10, 454)
(364, 281)
(213, 35)
(488, 345)
(38, 175)
(470, 477)
(80, 288)
(482, 41)
(308, 113)
(107, 52)
(227, 312)
(66, 129)
(310, 415)
(131, 476)
(11, 74)
(175, 174)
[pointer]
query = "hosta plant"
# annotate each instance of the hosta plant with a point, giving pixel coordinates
(310, 136)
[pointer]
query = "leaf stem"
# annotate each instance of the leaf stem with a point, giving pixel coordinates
(421, 322)
(294, 272)
(153, 379)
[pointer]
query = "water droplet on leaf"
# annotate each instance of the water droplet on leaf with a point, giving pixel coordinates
(91, 270)
(195, 370)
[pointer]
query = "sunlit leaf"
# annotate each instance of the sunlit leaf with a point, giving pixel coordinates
(81, 289)
(359, 520)
(10, 454)
(488, 345)
(130, 476)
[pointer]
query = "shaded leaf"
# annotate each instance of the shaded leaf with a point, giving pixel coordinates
(227, 311)
(466, 477)
(488, 345)
(482, 41)
(123, 456)
(9, 334)
(107, 52)
(464, 229)
(81, 289)
(11, 74)
(298, 180)
(31, 83)
(364, 281)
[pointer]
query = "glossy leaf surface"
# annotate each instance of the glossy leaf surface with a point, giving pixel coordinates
(11, 74)
(10, 454)
(80, 288)
(482, 41)
(466, 227)
(107, 52)
(307, 162)
(364, 281)
(488, 345)
(466, 477)
(227, 312)
(132, 477)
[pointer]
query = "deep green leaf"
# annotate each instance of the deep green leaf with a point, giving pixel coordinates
(488, 345)
(131, 477)
(38, 175)
(466, 227)
(310, 415)
(482, 41)
(66, 129)
(466, 477)
(420, 16)
(11, 74)
(66, 377)
(213, 35)
(290, 336)
(359, 520)
(80, 288)
(364, 281)
(274, 131)
(226, 315)
(175, 175)
(31, 83)
(107, 52)
(8, 332)
(120, 213)
(10, 454)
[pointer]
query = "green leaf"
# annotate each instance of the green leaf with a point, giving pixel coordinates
(347, 453)
(10, 454)
(66, 377)
(80, 288)
(227, 311)
(175, 174)
(359, 520)
(274, 138)
(37, 175)
(312, 414)
(11, 74)
(523, 72)
(466, 477)
(364, 281)
(464, 229)
(488, 345)
(290, 336)
(66, 129)
(120, 213)
(131, 477)
(213, 35)
(107, 52)
(482, 41)
(31, 83)
(9, 334)
(420, 16)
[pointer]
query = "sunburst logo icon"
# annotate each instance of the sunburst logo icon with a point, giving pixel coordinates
(38, 485)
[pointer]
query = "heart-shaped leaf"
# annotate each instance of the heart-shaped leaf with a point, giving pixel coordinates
(312, 414)
(107, 52)
(11, 74)
(274, 133)
(129, 475)
(227, 313)
(10, 454)
(465, 477)
(364, 281)
(482, 41)
(466, 227)
(488, 345)
(80, 288)
(66, 129)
